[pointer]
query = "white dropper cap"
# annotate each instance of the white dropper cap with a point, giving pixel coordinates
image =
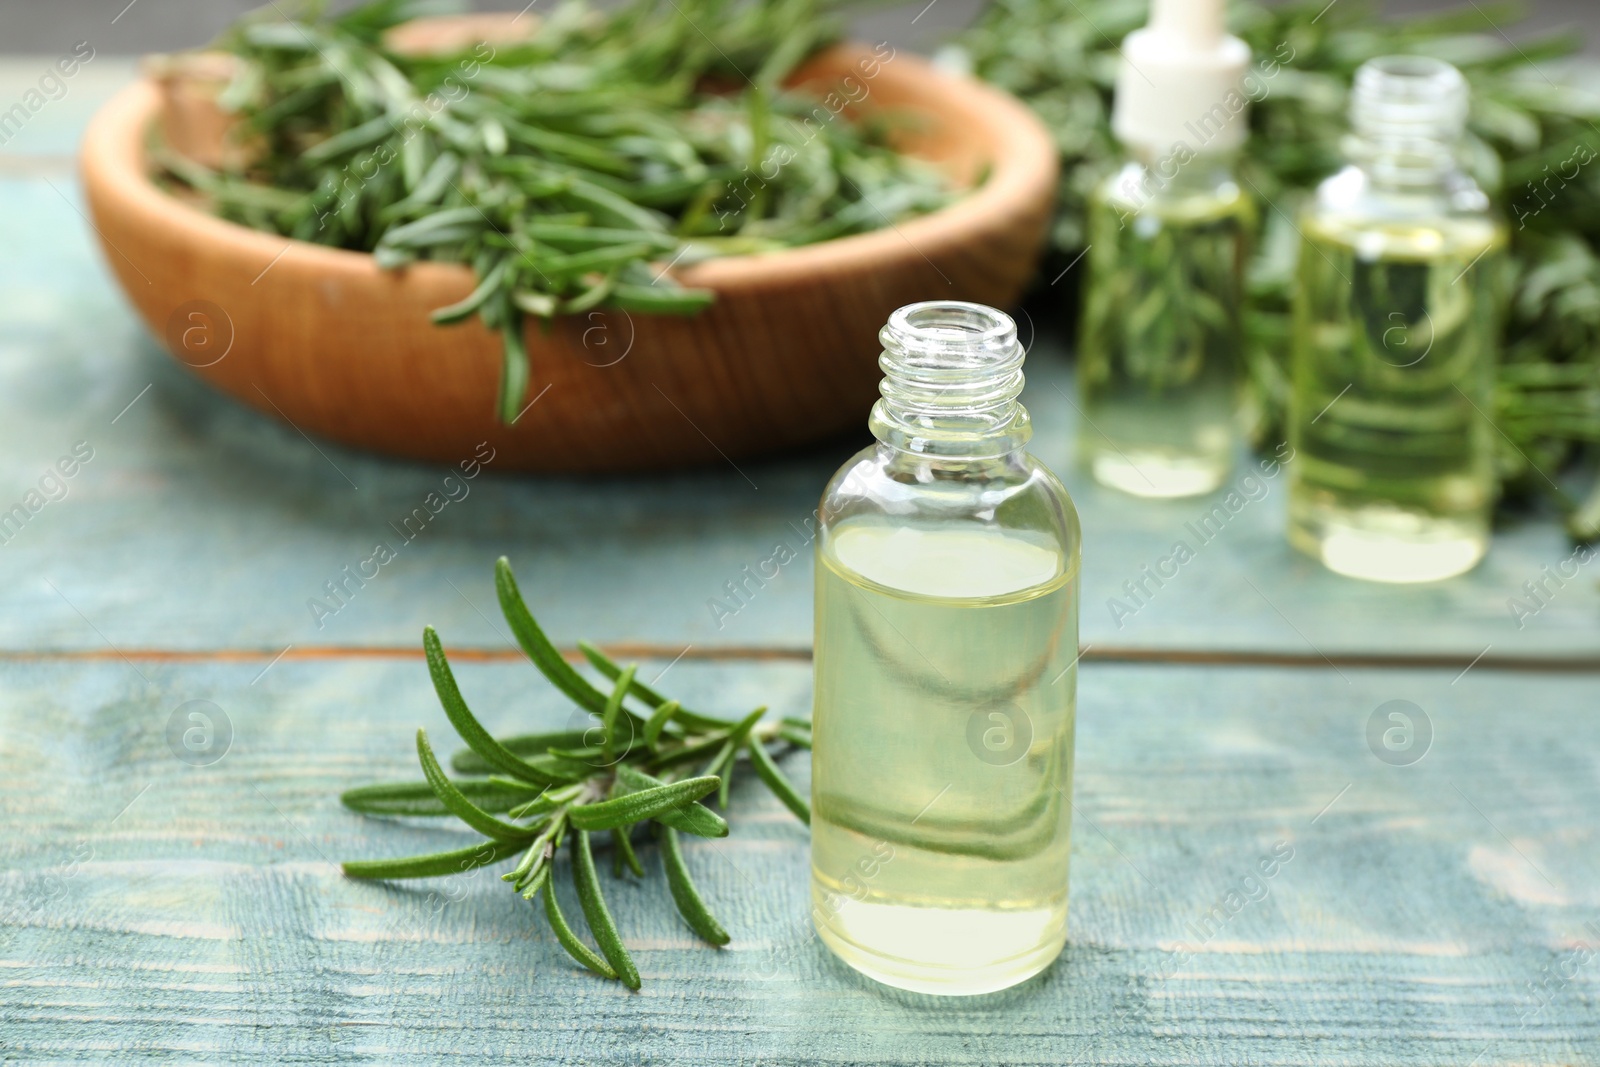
(1181, 80)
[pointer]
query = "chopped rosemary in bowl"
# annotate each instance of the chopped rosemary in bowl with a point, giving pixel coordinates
(530, 794)
(568, 167)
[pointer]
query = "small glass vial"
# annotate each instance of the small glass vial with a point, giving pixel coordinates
(1397, 327)
(946, 653)
(1161, 343)
(1161, 351)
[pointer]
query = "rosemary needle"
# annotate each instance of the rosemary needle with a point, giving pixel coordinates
(608, 715)
(598, 915)
(458, 804)
(417, 798)
(435, 864)
(780, 785)
(569, 940)
(1531, 141)
(469, 762)
(560, 167)
(536, 792)
(622, 853)
(685, 895)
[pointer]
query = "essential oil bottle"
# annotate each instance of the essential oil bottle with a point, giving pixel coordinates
(1161, 344)
(946, 652)
(1397, 327)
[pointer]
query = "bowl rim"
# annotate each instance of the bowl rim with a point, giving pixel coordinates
(114, 164)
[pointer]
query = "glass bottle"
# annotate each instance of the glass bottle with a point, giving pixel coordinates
(1161, 343)
(946, 653)
(1397, 328)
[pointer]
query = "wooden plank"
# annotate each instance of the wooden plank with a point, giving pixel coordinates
(1443, 912)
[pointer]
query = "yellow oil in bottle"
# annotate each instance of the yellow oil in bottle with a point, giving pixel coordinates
(946, 672)
(1396, 334)
(1397, 328)
(1161, 347)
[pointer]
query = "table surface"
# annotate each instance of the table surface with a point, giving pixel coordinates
(1445, 911)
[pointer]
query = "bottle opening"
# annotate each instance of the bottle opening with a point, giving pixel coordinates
(1415, 69)
(952, 372)
(946, 328)
(1409, 97)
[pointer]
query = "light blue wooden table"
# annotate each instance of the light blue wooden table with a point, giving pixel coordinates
(1444, 910)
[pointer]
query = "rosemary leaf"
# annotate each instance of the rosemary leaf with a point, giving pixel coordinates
(689, 750)
(538, 647)
(722, 763)
(459, 805)
(622, 853)
(467, 761)
(434, 865)
(658, 721)
(776, 781)
(649, 803)
(798, 738)
(601, 924)
(569, 940)
(582, 237)
(488, 287)
(658, 300)
(472, 732)
(608, 716)
(560, 769)
(514, 370)
(608, 667)
(690, 906)
(592, 756)
(696, 819)
(417, 798)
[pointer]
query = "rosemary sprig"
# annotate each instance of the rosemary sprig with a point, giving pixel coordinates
(558, 168)
(1535, 137)
(535, 792)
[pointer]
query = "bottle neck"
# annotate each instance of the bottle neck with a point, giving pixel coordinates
(1175, 175)
(952, 372)
(1411, 166)
(1408, 115)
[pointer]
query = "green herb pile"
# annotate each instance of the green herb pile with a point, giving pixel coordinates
(616, 777)
(560, 167)
(1535, 134)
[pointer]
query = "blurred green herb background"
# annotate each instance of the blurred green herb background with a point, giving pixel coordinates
(615, 139)
(1533, 137)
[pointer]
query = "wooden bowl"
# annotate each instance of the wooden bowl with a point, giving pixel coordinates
(787, 354)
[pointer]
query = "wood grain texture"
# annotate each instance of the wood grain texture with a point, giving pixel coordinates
(1441, 913)
(1445, 912)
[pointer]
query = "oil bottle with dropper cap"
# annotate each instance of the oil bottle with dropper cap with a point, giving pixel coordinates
(1161, 343)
